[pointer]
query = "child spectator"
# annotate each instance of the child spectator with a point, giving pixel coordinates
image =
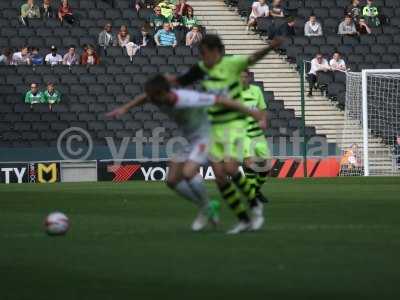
(362, 27)
(29, 10)
(33, 96)
(106, 38)
(123, 36)
(36, 57)
(371, 14)
(165, 37)
(337, 63)
(347, 27)
(190, 20)
(71, 58)
(318, 64)
(51, 95)
(53, 58)
(6, 57)
(21, 58)
(354, 10)
(276, 10)
(157, 20)
(46, 10)
(193, 37)
(167, 9)
(65, 13)
(312, 27)
(183, 7)
(89, 57)
(258, 9)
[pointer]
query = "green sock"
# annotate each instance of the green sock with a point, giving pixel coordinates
(232, 197)
(247, 187)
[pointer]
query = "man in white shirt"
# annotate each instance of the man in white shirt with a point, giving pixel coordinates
(312, 27)
(337, 63)
(21, 58)
(53, 58)
(258, 9)
(318, 64)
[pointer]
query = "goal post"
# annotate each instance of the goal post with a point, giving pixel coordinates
(371, 132)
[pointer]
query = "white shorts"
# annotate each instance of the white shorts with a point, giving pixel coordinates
(195, 149)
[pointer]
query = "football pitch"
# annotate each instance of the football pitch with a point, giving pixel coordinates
(324, 239)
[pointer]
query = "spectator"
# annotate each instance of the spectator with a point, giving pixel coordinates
(33, 96)
(258, 9)
(286, 29)
(89, 57)
(371, 14)
(65, 13)
(177, 20)
(71, 58)
(51, 95)
(318, 64)
(193, 37)
(354, 10)
(190, 20)
(36, 57)
(144, 38)
(139, 4)
(347, 27)
(46, 10)
(29, 10)
(21, 58)
(165, 37)
(182, 8)
(157, 20)
(106, 38)
(53, 58)
(276, 10)
(7, 57)
(167, 9)
(313, 27)
(337, 63)
(123, 36)
(362, 27)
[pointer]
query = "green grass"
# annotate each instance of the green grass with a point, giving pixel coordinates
(325, 239)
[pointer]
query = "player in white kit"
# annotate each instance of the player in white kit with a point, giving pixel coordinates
(188, 109)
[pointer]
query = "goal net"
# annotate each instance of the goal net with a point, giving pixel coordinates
(370, 140)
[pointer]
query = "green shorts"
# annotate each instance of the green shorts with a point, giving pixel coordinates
(256, 147)
(227, 140)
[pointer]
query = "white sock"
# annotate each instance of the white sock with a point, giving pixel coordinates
(197, 186)
(183, 188)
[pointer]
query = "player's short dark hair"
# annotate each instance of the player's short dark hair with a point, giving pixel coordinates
(211, 42)
(157, 85)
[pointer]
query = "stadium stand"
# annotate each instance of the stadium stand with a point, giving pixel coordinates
(90, 91)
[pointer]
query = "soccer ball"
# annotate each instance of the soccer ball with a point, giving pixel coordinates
(56, 223)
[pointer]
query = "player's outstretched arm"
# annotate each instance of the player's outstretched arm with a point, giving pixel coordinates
(119, 111)
(275, 43)
(260, 116)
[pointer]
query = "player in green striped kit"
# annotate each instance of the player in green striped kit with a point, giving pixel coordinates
(221, 75)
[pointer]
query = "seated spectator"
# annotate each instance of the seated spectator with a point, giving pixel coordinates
(362, 27)
(33, 96)
(107, 38)
(123, 36)
(183, 7)
(193, 37)
(371, 14)
(51, 95)
(347, 27)
(157, 20)
(139, 4)
(53, 58)
(337, 63)
(65, 13)
(7, 57)
(144, 39)
(286, 29)
(46, 10)
(276, 10)
(318, 64)
(354, 10)
(167, 9)
(29, 10)
(36, 57)
(312, 27)
(176, 20)
(190, 20)
(21, 58)
(259, 9)
(89, 57)
(165, 37)
(71, 58)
